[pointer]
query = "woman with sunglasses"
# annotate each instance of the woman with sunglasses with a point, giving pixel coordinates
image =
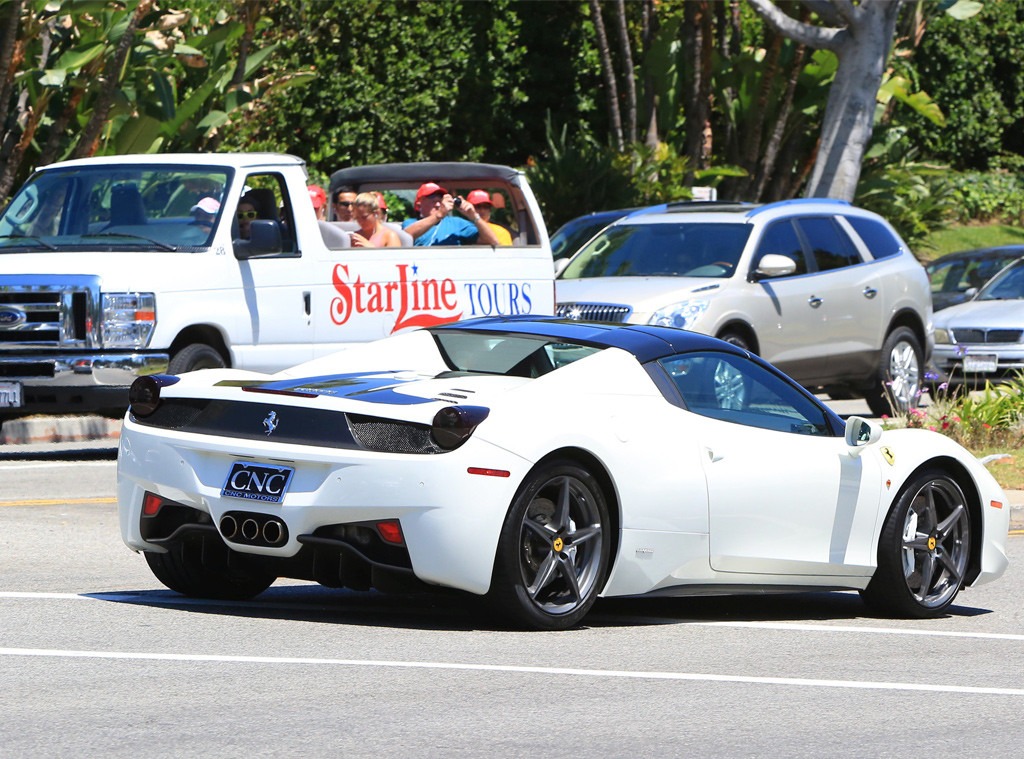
(373, 233)
(245, 215)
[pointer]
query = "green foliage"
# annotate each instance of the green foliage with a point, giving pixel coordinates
(968, 237)
(915, 197)
(989, 197)
(971, 67)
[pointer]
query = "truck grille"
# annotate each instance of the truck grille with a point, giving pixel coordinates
(594, 312)
(48, 312)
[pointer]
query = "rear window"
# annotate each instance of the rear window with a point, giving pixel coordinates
(879, 238)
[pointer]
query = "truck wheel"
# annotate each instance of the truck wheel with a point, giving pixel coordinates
(193, 357)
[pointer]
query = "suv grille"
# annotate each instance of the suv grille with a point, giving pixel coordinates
(594, 312)
(987, 335)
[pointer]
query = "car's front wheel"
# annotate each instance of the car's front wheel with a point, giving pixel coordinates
(201, 570)
(553, 550)
(923, 550)
(897, 387)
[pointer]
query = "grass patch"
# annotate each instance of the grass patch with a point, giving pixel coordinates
(968, 237)
(1009, 473)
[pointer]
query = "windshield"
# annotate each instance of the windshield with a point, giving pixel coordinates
(132, 207)
(661, 250)
(1009, 285)
(511, 355)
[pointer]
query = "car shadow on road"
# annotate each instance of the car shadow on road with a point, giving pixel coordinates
(462, 612)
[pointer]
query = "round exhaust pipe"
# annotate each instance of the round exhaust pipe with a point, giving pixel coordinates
(229, 527)
(250, 529)
(273, 532)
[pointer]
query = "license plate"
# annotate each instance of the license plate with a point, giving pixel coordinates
(257, 482)
(10, 395)
(980, 364)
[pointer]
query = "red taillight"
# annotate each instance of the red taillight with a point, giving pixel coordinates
(391, 532)
(488, 472)
(151, 505)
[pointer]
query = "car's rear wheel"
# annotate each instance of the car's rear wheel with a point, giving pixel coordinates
(923, 550)
(553, 550)
(897, 387)
(199, 569)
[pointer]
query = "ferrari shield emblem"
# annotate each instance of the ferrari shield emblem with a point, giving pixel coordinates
(888, 455)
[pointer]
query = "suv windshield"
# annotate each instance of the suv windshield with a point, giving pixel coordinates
(661, 250)
(130, 207)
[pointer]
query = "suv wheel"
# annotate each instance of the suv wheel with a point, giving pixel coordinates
(897, 388)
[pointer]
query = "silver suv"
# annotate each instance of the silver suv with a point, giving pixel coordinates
(827, 292)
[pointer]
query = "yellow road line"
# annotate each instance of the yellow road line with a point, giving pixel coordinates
(59, 501)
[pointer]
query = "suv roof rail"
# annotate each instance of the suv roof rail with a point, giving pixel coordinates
(690, 205)
(801, 202)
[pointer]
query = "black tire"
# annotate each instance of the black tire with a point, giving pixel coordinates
(553, 550)
(897, 385)
(200, 570)
(924, 549)
(193, 357)
(735, 338)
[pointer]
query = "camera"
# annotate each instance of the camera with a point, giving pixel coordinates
(457, 201)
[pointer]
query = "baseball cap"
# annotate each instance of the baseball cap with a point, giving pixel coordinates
(206, 205)
(317, 195)
(426, 190)
(476, 197)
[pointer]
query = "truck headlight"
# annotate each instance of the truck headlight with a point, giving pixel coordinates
(128, 319)
(679, 315)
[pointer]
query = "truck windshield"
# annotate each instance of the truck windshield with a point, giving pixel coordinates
(134, 207)
(661, 250)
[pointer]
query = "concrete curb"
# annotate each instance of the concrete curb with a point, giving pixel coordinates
(35, 430)
(32, 430)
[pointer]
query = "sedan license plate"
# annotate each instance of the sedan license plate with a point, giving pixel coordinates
(257, 482)
(980, 364)
(10, 395)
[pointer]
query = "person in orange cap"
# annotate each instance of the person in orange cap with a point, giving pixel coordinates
(438, 226)
(319, 200)
(482, 202)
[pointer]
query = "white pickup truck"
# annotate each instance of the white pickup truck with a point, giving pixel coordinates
(106, 271)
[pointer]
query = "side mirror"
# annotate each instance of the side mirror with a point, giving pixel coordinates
(560, 265)
(861, 433)
(774, 265)
(264, 238)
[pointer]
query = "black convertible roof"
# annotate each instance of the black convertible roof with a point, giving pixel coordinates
(415, 174)
(646, 342)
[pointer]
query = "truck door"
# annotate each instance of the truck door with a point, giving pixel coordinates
(274, 276)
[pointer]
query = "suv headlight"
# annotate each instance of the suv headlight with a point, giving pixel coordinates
(680, 315)
(128, 319)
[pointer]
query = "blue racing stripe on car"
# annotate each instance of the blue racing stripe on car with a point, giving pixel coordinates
(374, 389)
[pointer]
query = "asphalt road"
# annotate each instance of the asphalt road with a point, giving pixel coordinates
(97, 659)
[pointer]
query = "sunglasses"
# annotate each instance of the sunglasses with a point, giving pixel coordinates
(246, 215)
(345, 203)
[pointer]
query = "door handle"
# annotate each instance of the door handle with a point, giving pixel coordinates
(814, 301)
(307, 302)
(870, 292)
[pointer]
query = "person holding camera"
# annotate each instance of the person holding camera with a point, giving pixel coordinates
(438, 226)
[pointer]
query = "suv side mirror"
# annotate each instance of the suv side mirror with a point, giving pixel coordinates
(861, 433)
(774, 265)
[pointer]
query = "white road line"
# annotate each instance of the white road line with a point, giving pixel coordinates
(56, 464)
(508, 669)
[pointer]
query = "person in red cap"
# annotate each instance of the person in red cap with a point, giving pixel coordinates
(319, 199)
(438, 226)
(482, 203)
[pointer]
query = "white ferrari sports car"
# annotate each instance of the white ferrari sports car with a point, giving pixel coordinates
(545, 463)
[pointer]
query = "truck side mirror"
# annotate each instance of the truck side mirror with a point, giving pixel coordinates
(264, 238)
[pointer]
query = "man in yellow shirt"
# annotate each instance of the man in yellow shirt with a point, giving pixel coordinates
(481, 201)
